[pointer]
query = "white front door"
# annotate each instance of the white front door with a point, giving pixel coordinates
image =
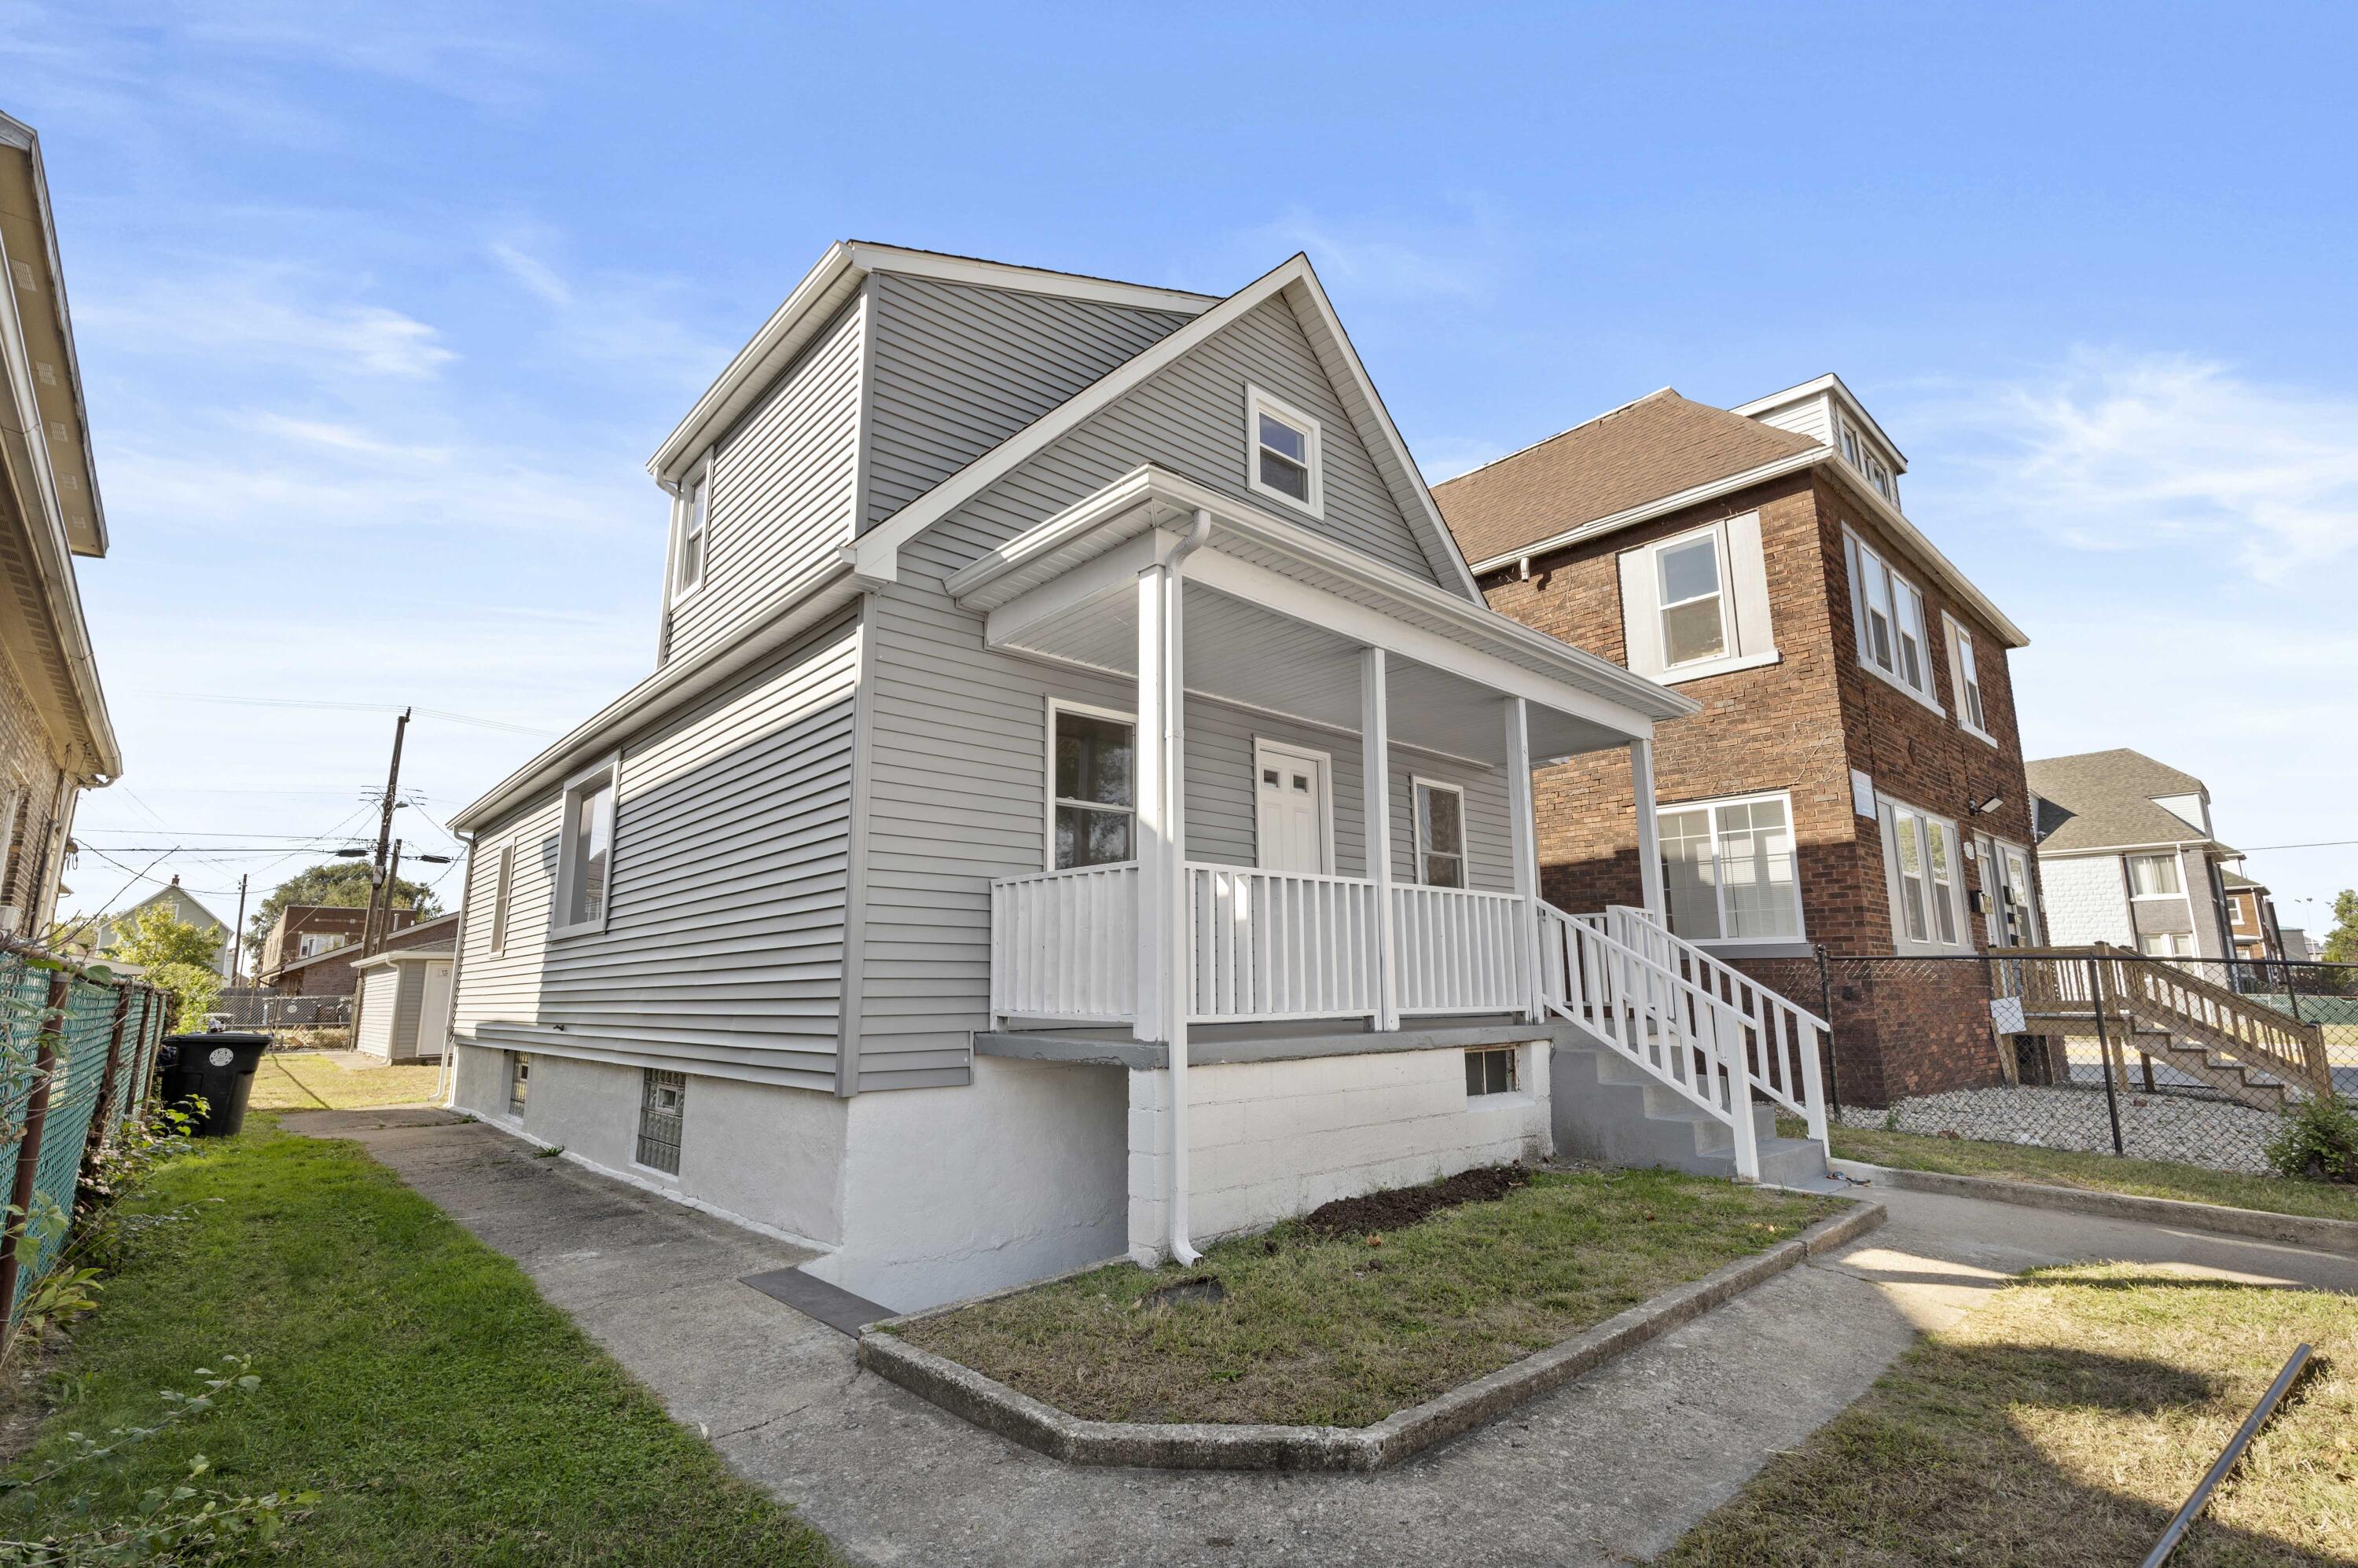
(1294, 812)
(433, 1012)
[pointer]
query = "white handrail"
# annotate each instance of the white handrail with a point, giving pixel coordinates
(1273, 945)
(1782, 1039)
(1063, 945)
(1678, 1032)
(1460, 950)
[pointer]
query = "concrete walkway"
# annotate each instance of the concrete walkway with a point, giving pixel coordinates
(1607, 1470)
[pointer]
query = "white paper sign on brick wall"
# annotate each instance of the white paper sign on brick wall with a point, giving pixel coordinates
(1862, 793)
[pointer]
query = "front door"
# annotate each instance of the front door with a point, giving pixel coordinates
(1294, 818)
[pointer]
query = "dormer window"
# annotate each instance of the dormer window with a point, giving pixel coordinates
(1282, 452)
(1862, 457)
(687, 570)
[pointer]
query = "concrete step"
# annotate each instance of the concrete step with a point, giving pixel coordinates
(1607, 1108)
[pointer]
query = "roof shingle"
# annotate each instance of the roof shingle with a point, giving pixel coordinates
(2111, 798)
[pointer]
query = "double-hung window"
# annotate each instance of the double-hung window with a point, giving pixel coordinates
(1440, 835)
(1727, 870)
(502, 892)
(584, 856)
(1093, 815)
(688, 560)
(1888, 611)
(2154, 876)
(1921, 852)
(1281, 452)
(1693, 599)
(1965, 676)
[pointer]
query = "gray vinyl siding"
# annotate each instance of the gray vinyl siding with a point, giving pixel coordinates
(1190, 418)
(957, 796)
(782, 490)
(958, 368)
(723, 947)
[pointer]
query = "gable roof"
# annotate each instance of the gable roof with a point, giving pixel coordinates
(1658, 445)
(2111, 798)
(876, 552)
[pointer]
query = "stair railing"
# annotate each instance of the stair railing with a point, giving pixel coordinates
(1782, 1040)
(1678, 1032)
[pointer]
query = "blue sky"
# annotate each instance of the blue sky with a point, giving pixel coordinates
(381, 309)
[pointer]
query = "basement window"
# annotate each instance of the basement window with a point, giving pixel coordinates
(663, 1112)
(519, 1080)
(1490, 1072)
(1281, 443)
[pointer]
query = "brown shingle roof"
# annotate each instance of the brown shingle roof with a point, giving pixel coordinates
(1655, 447)
(2111, 798)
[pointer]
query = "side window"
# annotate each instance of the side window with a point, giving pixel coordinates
(1927, 908)
(663, 1117)
(1964, 675)
(1696, 603)
(1440, 835)
(1281, 452)
(503, 890)
(1888, 613)
(687, 570)
(1693, 599)
(1093, 805)
(585, 865)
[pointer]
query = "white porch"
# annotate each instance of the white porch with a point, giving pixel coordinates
(1195, 600)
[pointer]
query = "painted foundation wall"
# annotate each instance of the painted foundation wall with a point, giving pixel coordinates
(749, 1151)
(1269, 1140)
(951, 1192)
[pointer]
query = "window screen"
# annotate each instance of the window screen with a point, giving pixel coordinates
(663, 1105)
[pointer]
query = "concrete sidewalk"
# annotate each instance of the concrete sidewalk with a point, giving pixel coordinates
(1610, 1469)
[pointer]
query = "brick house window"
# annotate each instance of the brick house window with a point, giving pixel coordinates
(1728, 870)
(1964, 677)
(1887, 612)
(1920, 856)
(1696, 604)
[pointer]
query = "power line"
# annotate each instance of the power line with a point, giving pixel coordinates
(356, 707)
(2321, 844)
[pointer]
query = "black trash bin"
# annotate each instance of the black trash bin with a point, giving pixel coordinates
(219, 1067)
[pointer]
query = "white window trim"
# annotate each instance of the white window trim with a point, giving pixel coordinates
(1255, 403)
(568, 832)
(1930, 942)
(2180, 891)
(1800, 917)
(503, 896)
(1272, 745)
(1417, 844)
(1854, 549)
(1517, 1090)
(1991, 856)
(1959, 644)
(1057, 705)
(676, 593)
(1710, 662)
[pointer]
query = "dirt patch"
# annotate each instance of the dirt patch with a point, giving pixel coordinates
(1403, 1206)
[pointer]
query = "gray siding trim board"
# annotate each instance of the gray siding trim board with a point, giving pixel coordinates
(852, 997)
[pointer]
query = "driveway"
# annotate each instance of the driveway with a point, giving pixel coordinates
(1609, 1469)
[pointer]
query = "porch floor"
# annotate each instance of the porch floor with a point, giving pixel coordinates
(1209, 1044)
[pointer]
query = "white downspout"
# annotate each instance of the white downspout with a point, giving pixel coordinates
(1176, 924)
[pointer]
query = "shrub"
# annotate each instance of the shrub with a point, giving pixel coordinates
(2317, 1141)
(193, 989)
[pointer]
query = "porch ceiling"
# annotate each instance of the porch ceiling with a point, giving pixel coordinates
(1249, 654)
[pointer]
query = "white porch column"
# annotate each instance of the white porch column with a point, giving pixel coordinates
(1375, 784)
(1649, 841)
(1522, 826)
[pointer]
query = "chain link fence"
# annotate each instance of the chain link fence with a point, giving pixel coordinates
(77, 1054)
(2100, 1050)
(273, 1013)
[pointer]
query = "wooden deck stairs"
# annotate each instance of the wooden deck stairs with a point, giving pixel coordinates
(2244, 1049)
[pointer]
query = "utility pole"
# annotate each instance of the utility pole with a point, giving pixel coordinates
(380, 888)
(237, 935)
(392, 882)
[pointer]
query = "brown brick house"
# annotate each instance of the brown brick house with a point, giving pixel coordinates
(330, 969)
(1854, 779)
(306, 931)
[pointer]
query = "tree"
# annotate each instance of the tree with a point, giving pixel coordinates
(155, 936)
(2342, 946)
(193, 987)
(340, 884)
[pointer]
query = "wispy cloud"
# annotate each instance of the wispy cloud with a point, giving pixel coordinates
(609, 318)
(252, 315)
(2134, 452)
(1455, 256)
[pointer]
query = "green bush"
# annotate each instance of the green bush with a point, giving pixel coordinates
(2318, 1142)
(193, 989)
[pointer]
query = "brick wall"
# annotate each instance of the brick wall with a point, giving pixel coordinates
(29, 772)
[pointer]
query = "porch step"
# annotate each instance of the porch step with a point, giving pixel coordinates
(1607, 1108)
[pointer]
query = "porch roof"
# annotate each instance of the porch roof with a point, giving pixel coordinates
(1278, 617)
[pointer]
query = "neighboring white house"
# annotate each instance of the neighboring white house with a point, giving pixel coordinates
(2131, 860)
(1082, 806)
(184, 905)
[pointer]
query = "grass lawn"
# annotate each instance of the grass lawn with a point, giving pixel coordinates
(2063, 1423)
(410, 1373)
(309, 1080)
(1344, 1332)
(2097, 1172)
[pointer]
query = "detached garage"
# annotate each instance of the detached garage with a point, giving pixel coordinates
(404, 1004)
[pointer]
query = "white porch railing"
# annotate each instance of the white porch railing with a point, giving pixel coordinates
(1064, 944)
(1279, 945)
(1460, 951)
(1707, 1031)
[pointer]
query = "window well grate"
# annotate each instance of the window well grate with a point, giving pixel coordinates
(663, 1101)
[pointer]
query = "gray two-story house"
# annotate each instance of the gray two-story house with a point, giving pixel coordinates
(1081, 807)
